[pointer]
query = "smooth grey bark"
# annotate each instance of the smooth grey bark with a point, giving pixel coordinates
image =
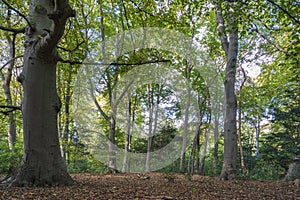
(185, 128)
(150, 132)
(203, 156)
(230, 47)
(126, 161)
(6, 80)
(243, 166)
(42, 163)
(66, 131)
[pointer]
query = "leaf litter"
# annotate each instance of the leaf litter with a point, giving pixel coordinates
(158, 186)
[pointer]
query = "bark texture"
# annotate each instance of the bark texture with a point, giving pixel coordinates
(230, 46)
(42, 163)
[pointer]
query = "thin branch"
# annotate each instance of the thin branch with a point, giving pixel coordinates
(19, 13)
(71, 50)
(270, 41)
(140, 63)
(14, 30)
(141, 10)
(286, 12)
(72, 62)
(11, 60)
(107, 118)
(11, 109)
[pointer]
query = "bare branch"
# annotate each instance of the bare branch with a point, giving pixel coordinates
(107, 118)
(72, 62)
(140, 63)
(269, 41)
(14, 30)
(10, 109)
(286, 12)
(11, 60)
(71, 50)
(19, 13)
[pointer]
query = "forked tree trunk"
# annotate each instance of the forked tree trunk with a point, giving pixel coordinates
(42, 162)
(230, 46)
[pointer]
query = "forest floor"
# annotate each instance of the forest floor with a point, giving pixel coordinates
(156, 186)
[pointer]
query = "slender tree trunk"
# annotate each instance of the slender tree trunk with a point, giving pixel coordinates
(42, 162)
(6, 86)
(230, 46)
(112, 155)
(257, 133)
(216, 145)
(185, 133)
(125, 167)
(203, 156)
(66, 130)
(7, 93)
(244, 170)
(150, 133)
(195, 151)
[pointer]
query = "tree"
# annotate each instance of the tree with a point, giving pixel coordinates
(42, 162)
(230, 47)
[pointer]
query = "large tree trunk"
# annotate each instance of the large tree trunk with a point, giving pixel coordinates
(230, 46)
(42, 162)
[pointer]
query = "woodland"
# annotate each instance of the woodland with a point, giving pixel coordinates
(155, 99)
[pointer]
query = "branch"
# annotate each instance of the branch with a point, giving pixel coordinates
(286, 12)
(71, 50)
(62, 11)
(72, 62)
(107, 118)
(14, 30)
(140, 63)
(221, 28)
(11, 60)
(270, 41)
(11, 109)
(19, 13)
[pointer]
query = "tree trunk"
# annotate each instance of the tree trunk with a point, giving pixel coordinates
(112, 155)
(150, 133)
(7, 93)
(125, 167)
(244, 170)
(203, 156)
(230, 46)
(257, 133)
(216, 145)
(42, 162)
(185, 132)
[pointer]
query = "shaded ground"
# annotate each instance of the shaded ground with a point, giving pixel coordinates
(156, 186)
